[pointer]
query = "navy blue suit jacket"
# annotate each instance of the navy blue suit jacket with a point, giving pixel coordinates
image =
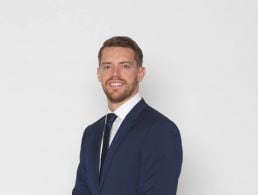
(144, 157)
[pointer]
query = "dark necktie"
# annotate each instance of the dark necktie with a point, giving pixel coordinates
(111, 117)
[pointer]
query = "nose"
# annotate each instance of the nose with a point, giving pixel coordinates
(116, 71)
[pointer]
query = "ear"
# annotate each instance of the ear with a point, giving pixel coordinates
(98, 74)
(141, 73)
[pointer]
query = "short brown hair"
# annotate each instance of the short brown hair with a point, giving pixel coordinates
(123, 41)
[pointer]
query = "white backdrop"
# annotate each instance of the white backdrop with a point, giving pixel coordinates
(201, 61)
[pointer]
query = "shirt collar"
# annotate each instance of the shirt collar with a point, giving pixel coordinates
(125, 108)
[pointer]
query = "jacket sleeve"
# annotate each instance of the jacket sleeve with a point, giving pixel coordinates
(161, 160)
(81, 187)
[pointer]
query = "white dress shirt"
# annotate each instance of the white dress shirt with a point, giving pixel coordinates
(121, 113)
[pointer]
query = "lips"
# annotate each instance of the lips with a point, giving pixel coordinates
(115, 83)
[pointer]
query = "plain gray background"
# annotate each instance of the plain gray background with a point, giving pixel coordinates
(201, 61)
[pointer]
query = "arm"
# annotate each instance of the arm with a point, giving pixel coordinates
(81, 187)
(161, 159)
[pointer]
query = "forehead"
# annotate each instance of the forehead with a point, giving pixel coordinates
(117, 53)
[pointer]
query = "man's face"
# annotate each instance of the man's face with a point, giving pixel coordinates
(119, 73)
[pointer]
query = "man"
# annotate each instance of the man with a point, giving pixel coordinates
(133, 150)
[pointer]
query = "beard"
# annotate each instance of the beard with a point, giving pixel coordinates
(119, 95)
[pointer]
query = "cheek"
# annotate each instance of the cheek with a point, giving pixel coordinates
(133, 79)
(129, 75)
(102, 77)
(99, 78)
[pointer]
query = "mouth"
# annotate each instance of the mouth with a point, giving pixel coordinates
(115, 84)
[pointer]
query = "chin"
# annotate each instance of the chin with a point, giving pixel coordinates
(117, 98)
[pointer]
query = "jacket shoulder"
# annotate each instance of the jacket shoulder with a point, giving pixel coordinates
(89, 130)
(155, 120)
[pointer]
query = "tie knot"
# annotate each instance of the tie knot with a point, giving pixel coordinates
(111, 117)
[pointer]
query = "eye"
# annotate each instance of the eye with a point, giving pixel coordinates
(106, 66)
(126, 66)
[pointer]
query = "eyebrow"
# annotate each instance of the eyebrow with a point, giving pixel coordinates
(123, 62)
(103, 63)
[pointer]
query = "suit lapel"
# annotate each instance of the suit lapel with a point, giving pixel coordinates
(95, 153)
(120, 135)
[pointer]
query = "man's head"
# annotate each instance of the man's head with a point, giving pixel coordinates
(120, 69)
(123, 41)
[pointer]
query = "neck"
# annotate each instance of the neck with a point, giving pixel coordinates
(114, 105)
